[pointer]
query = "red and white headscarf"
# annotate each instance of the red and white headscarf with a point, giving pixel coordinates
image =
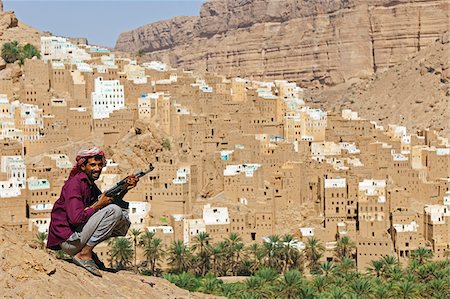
(83, 155)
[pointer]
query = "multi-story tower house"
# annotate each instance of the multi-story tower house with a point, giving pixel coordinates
(437, 229)
(373, 240)
(107, 97)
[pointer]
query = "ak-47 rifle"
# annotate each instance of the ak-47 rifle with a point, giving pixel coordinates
(117, 192)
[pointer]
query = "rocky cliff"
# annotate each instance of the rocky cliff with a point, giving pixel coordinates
(13, 29)
(414, 93)
(29, 272)
(310, 42)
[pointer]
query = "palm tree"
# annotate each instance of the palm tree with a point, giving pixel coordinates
(11, 51)
(259, 287)
(407, 289)
(27, 52)
(179, 257)
(327, 268)
(234, 247)
(153, 251)
(382, 290)
(273, 248)
(438, 288)
(346, 265)
(41, 240)
(135, 234)
(307, 292)
(289, 251)
(314, 251)
(361, 287)
(345, 247)
(121, 252)
(290, 284)
(203, 249)
(210, 284)
(336, 292)
(257, 254)
(376, 267)
(267, 274)
(422, 255)
(184, 280)
(320, 283)
(217, 253)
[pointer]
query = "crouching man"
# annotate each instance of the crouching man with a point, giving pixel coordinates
(83, 217)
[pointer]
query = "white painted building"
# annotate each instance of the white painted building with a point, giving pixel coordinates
(247, 169)
(182, 175)
(215, 216)
(107, 97)
(10, 188)
(15, 169)
(335, 183)
(373, 188)
(437, 213)
(137, 212)
(406, 228)
(192, 227)
(59, 48)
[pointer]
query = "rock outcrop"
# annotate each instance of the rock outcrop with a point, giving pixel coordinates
(414, 93)
(310, 42)
(29, 272)
(12, 29)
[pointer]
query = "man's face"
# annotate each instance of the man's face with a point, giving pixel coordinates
(93, 168)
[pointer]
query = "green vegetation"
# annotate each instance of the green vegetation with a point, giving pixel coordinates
(166, 144)
(12, 52)
(41, 239)
(278, 269)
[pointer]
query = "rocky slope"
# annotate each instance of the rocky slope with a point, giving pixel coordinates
(310, 42)
(13, 29)
(27, 272)
(415, 93)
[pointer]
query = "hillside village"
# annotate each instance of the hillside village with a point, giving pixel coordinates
(230, 155)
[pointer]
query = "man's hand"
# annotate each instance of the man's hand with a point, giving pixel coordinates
(103, 201)
(132, 181)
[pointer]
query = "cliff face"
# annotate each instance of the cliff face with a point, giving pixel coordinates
(310, 42)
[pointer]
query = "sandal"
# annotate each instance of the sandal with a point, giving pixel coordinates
(88, 265)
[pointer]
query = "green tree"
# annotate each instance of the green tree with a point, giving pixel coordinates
(258, 286)
(313, 251)
(217, 253)
(327, 268)
(153, 252)
(345, 247)
(289, 252)
(361, 287)
(290, 284)
(376, 267)
(202, 248)
(346, 265)
(407, 290)
(184, 280)
(166, 144)
(210, 284)
(135, 233)
(422, 255)
(234, 247)
(179, 257)
(27, 52)
(11, 52)
(121, 252)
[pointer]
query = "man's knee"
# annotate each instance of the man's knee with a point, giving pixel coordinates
(115, 211)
